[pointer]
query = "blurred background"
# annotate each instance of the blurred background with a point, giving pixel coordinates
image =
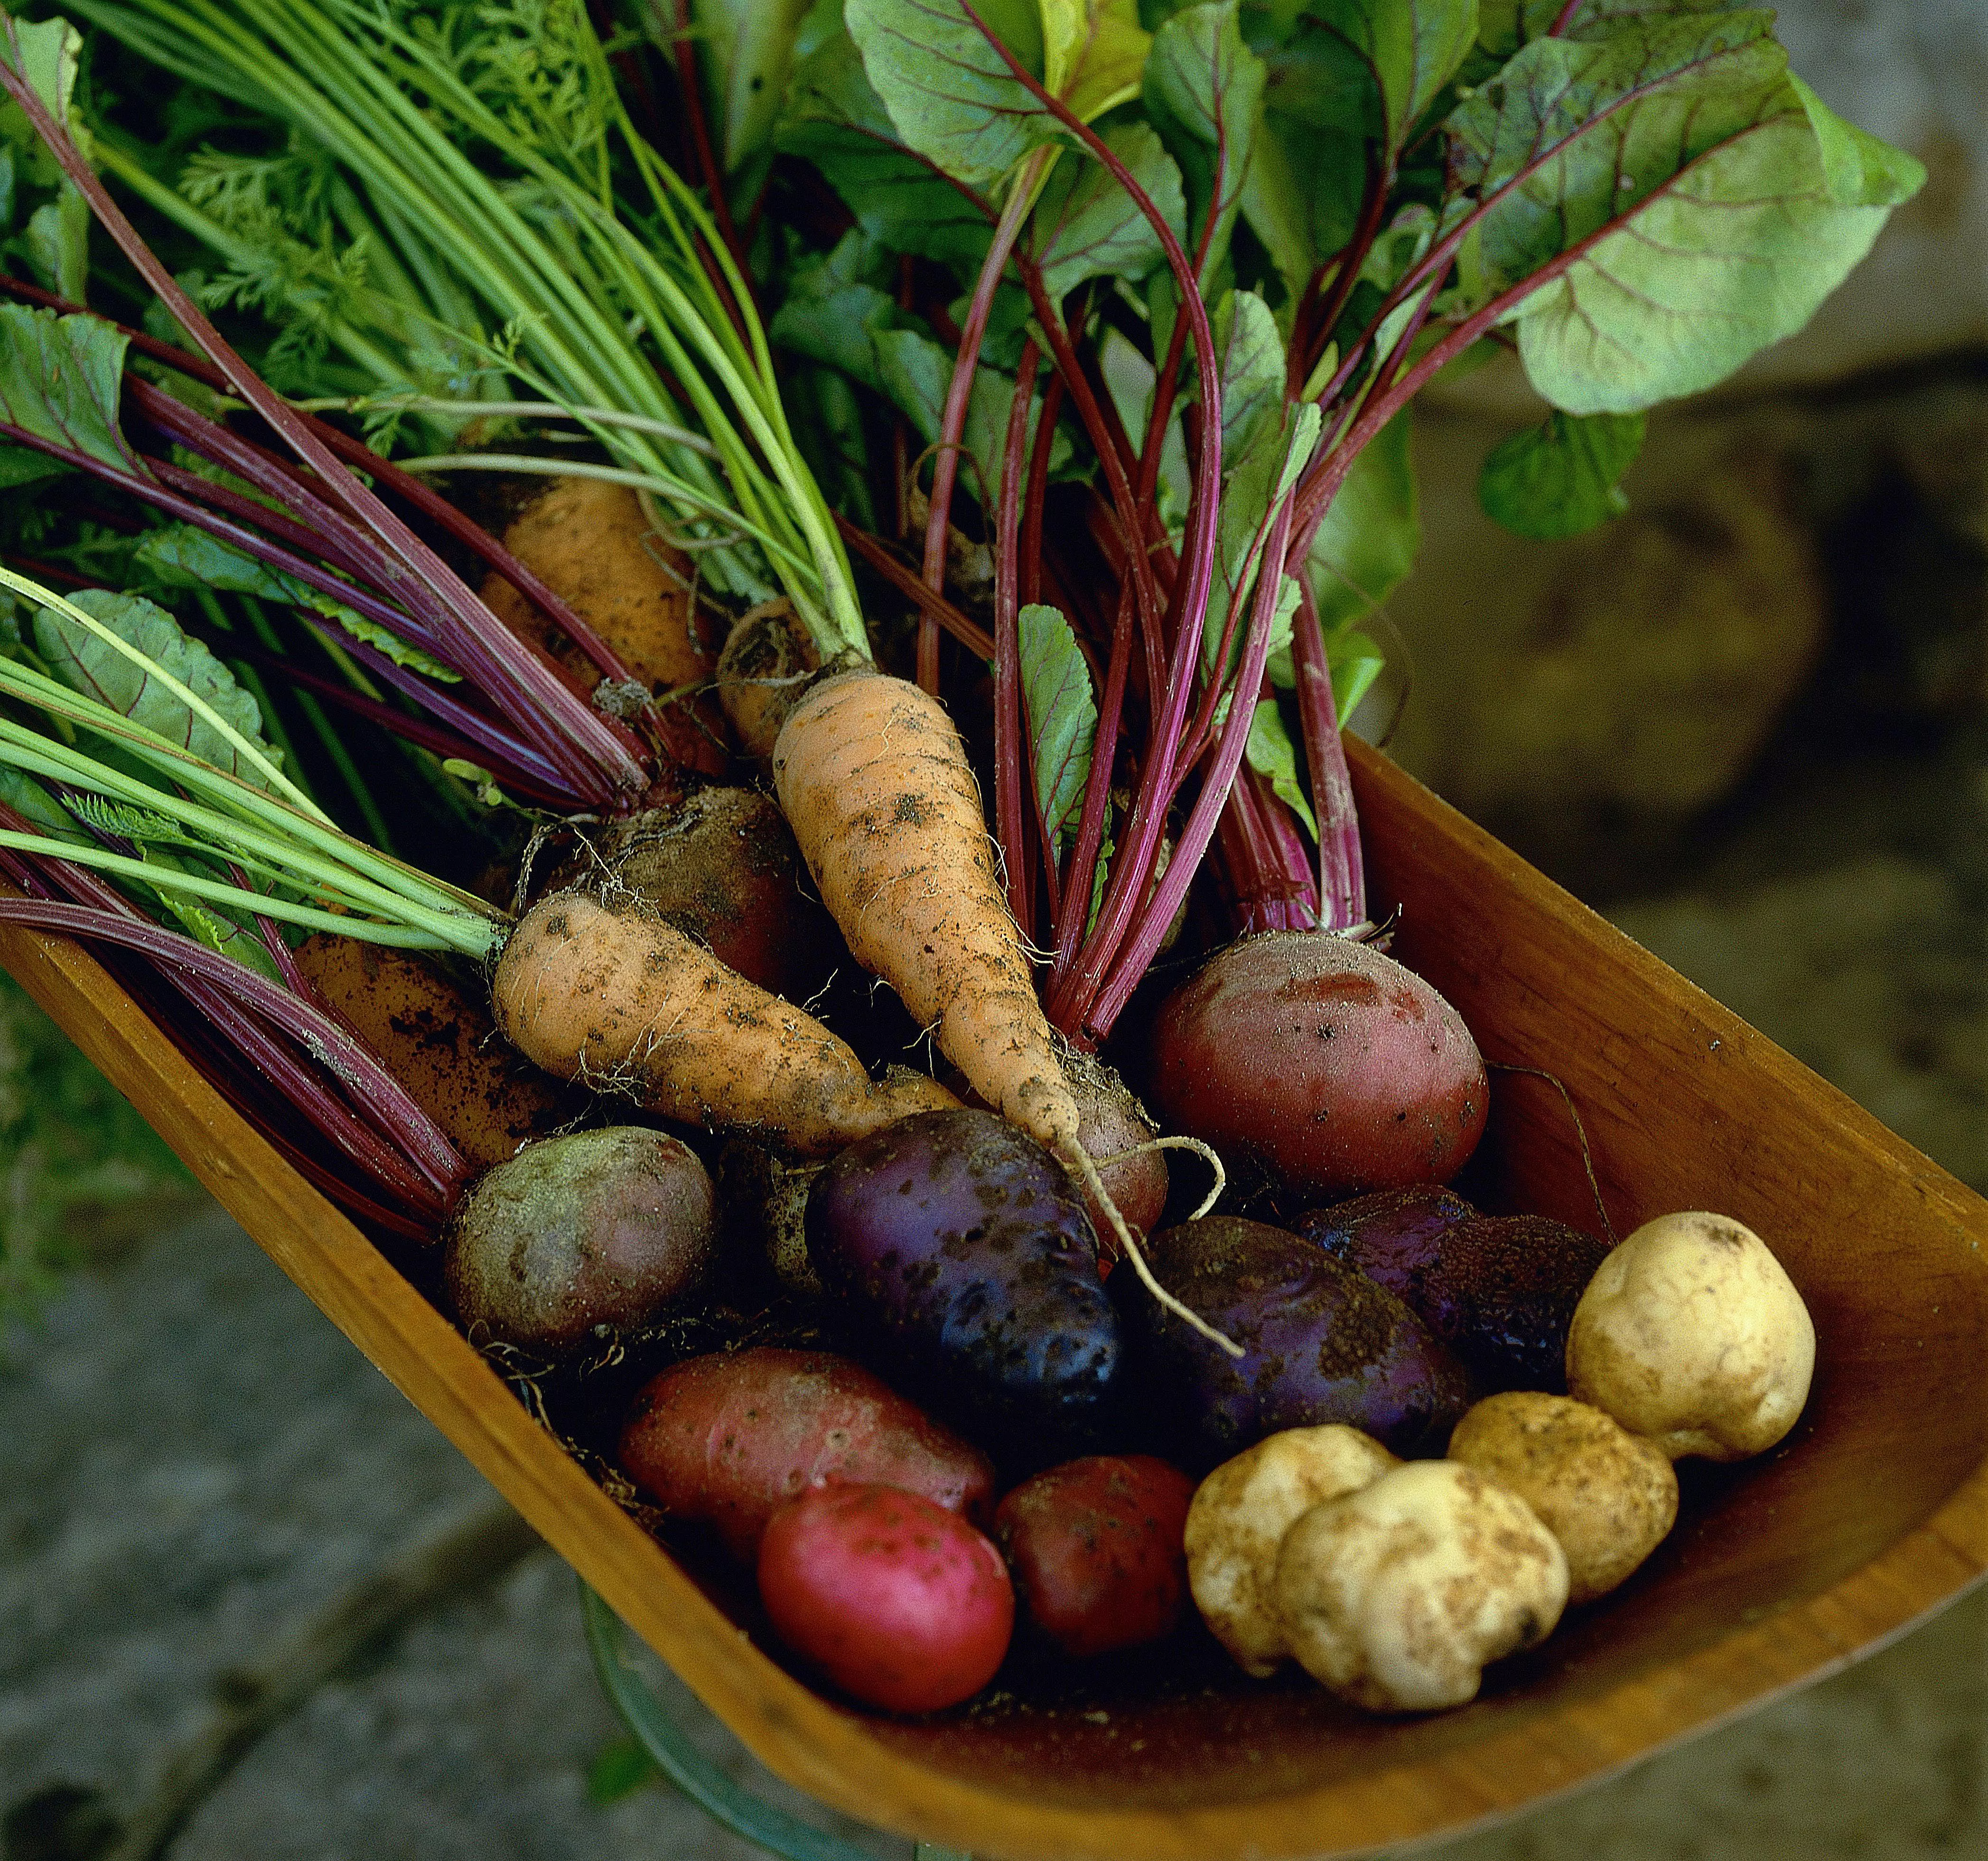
(250, 1603)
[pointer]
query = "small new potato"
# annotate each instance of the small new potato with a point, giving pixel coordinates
(596, 1228)
(1240, 1513)
(1692, 1333)
(899, 1601)
(1398, 1596)
(1095, 1548)
(727, 1440)
(1608, 1495)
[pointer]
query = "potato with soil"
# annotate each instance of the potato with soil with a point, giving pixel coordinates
(598, 1230)
(1321, 1344)
(722, 867)
(1499, 1290)
(959, 1252)
(1322, 1061)
(727, 1440)
(436, 1038)
(1095, 1546)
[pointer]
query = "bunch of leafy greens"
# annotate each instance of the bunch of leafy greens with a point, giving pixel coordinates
(1635, 198)
(458, 196)
(1190, 264)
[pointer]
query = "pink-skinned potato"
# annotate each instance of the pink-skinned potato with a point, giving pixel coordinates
(900, 1602)
(727, 1440)
(1322, 1060)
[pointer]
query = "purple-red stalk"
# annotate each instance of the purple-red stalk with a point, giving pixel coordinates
(1080, 881)
(383, 1129)
(1142, 943)
(969, 633)
(958, 396)
(590, 755)
(1010, 749)
(1342, 877)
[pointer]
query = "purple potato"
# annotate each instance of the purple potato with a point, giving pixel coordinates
(961, 1256)
(1391, 1236)
(1498, 1289)
(1321, 1343)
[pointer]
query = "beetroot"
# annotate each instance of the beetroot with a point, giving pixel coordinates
(1323, 1061)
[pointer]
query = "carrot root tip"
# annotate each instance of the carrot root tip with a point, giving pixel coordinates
(1078, 1159)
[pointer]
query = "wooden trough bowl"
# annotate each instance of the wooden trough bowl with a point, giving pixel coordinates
(1873, 1512)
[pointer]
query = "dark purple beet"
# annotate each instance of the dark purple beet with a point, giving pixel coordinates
(959, 1251)
(1499, 1290)
(1322, 1343)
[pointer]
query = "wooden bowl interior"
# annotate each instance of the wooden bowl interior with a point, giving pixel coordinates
(1683, 1106)
(1875, 1510)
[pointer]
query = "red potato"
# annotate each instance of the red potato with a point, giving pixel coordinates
(901, 1603)
(1095, 1546)
(1323, 1060)
(728, 1440)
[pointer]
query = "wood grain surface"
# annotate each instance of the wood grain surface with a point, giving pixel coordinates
(1873, 1512)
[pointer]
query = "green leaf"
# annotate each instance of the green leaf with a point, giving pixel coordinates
(1128, 378)
(1560, 478)
(1250, 354)
(87, 664)
(182, 557)
(59, 242)
(1093, 53)
(749, 45)
(1263, 475)
(1355, 662)
(619, 1769)
(1062, 716)
(1693, 205)
(23, 465)
(1301, 197)
(60, 377)
(34, 804)
(832, 315)
(1085, 225)
(950, 94)
(1371, 532)
(1858, 169)
(902, 201)
(1275, 757)
(1411, 46)
(1204, 92)
(51, 50)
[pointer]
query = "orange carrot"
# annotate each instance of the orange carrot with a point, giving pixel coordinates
(874, 780)
(627, 1002)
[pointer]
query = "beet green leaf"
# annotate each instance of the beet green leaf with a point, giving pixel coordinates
(1561, 478)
